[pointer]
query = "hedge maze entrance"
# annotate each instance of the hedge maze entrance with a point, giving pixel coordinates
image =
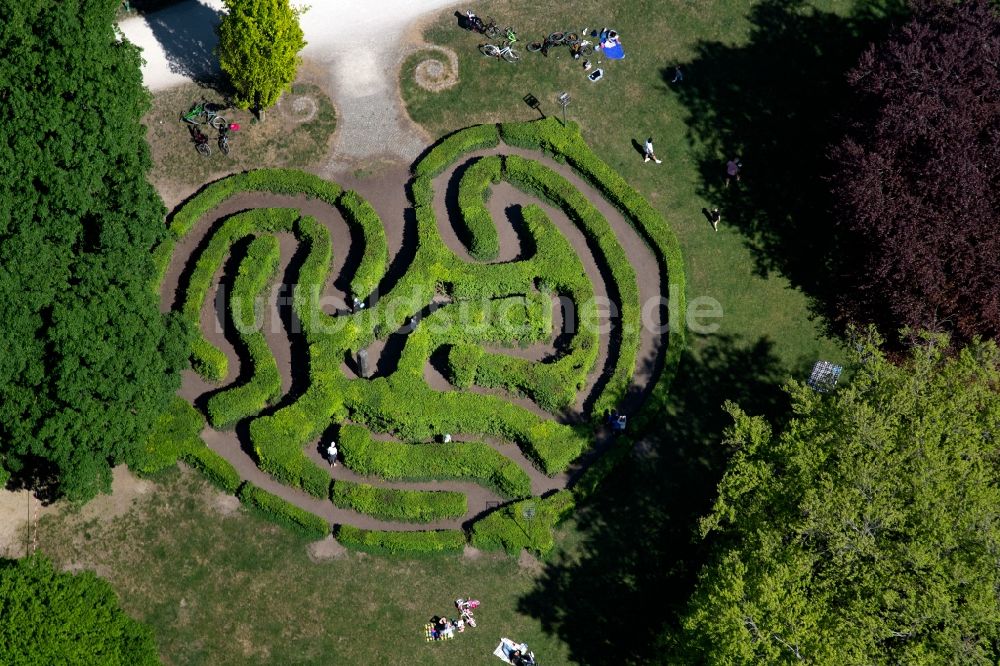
(526, 301)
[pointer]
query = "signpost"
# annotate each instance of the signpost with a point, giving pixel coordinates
(564, 99)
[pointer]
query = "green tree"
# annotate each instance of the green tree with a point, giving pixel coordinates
(259, 44)
(867, 531)
(51, 617)
(87, 360)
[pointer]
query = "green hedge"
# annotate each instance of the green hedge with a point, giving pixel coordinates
(551, 138)
(402, 543)
(216, 469)
(176, 432)
(278, 181)
(283, 512)
(405, 406)
(161, 261)
(450, 148)
(414, 506)
(509, 529)
(375, 261)
(396, 461)
(279, 439)
(475, 224)
(538, 179)
(256, 270)
(207, 359)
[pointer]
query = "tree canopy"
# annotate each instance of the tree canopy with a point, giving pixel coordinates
(88, 362)
(867, 531)
(51, 617)
(259, 44)
(916, 183)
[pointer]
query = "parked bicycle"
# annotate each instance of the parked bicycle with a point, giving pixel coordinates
(224, 140)
(502, 51)
(488, 27)
(570, 39)
(202, 113)
(200, 141)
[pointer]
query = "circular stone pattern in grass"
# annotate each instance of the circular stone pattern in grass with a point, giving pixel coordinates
(477, 414)
(436, 69)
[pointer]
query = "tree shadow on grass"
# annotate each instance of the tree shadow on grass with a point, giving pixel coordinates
(186, 31)
(774, 102)
(611, 597)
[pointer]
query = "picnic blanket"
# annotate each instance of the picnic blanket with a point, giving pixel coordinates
(506, 646)
(429, 633)
(614, 52)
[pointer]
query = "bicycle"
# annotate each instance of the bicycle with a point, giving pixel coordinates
(200, 142)
(581, 47)
(224, 140)
(207, 111)
(543, 46)
(488, 27)
(499, 51)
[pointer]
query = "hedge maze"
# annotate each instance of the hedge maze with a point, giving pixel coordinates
(473, 313)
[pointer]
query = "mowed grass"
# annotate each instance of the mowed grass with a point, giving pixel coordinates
(221, 586)
(295, 133)
(633, 101)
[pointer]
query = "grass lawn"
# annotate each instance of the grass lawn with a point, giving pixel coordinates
(782, 48)
(295, 133)
(221, 586)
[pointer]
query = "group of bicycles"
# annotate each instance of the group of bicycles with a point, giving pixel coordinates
(205, 113)
(504, 49)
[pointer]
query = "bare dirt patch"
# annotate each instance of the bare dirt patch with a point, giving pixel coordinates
(530, 564)
(327, 549)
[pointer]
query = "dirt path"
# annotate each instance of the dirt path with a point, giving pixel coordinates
(386, 192)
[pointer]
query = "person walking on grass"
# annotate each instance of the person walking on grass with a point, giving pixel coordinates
(649, 154)
(678, 75)
(714, 216)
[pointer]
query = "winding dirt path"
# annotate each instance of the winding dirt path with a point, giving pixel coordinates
(386, 193)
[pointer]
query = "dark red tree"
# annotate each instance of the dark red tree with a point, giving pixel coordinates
(917, 176)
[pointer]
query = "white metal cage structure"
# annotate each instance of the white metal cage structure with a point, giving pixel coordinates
(824, 376)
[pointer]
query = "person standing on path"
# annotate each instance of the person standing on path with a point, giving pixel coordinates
(331, 454)
(650, 155)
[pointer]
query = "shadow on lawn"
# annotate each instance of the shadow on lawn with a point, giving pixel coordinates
(774, 103)
(612, 600)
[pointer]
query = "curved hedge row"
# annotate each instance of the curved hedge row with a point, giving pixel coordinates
(375, 260)
(551, 138)
(276, 181)
(281, 511)
(510, 528)
(539, 179)
(208, 360)
(476, 228)
(396, 461)
(413, 506)
(402, 543)
(449, 149)
(256, 270)
(279, 439)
